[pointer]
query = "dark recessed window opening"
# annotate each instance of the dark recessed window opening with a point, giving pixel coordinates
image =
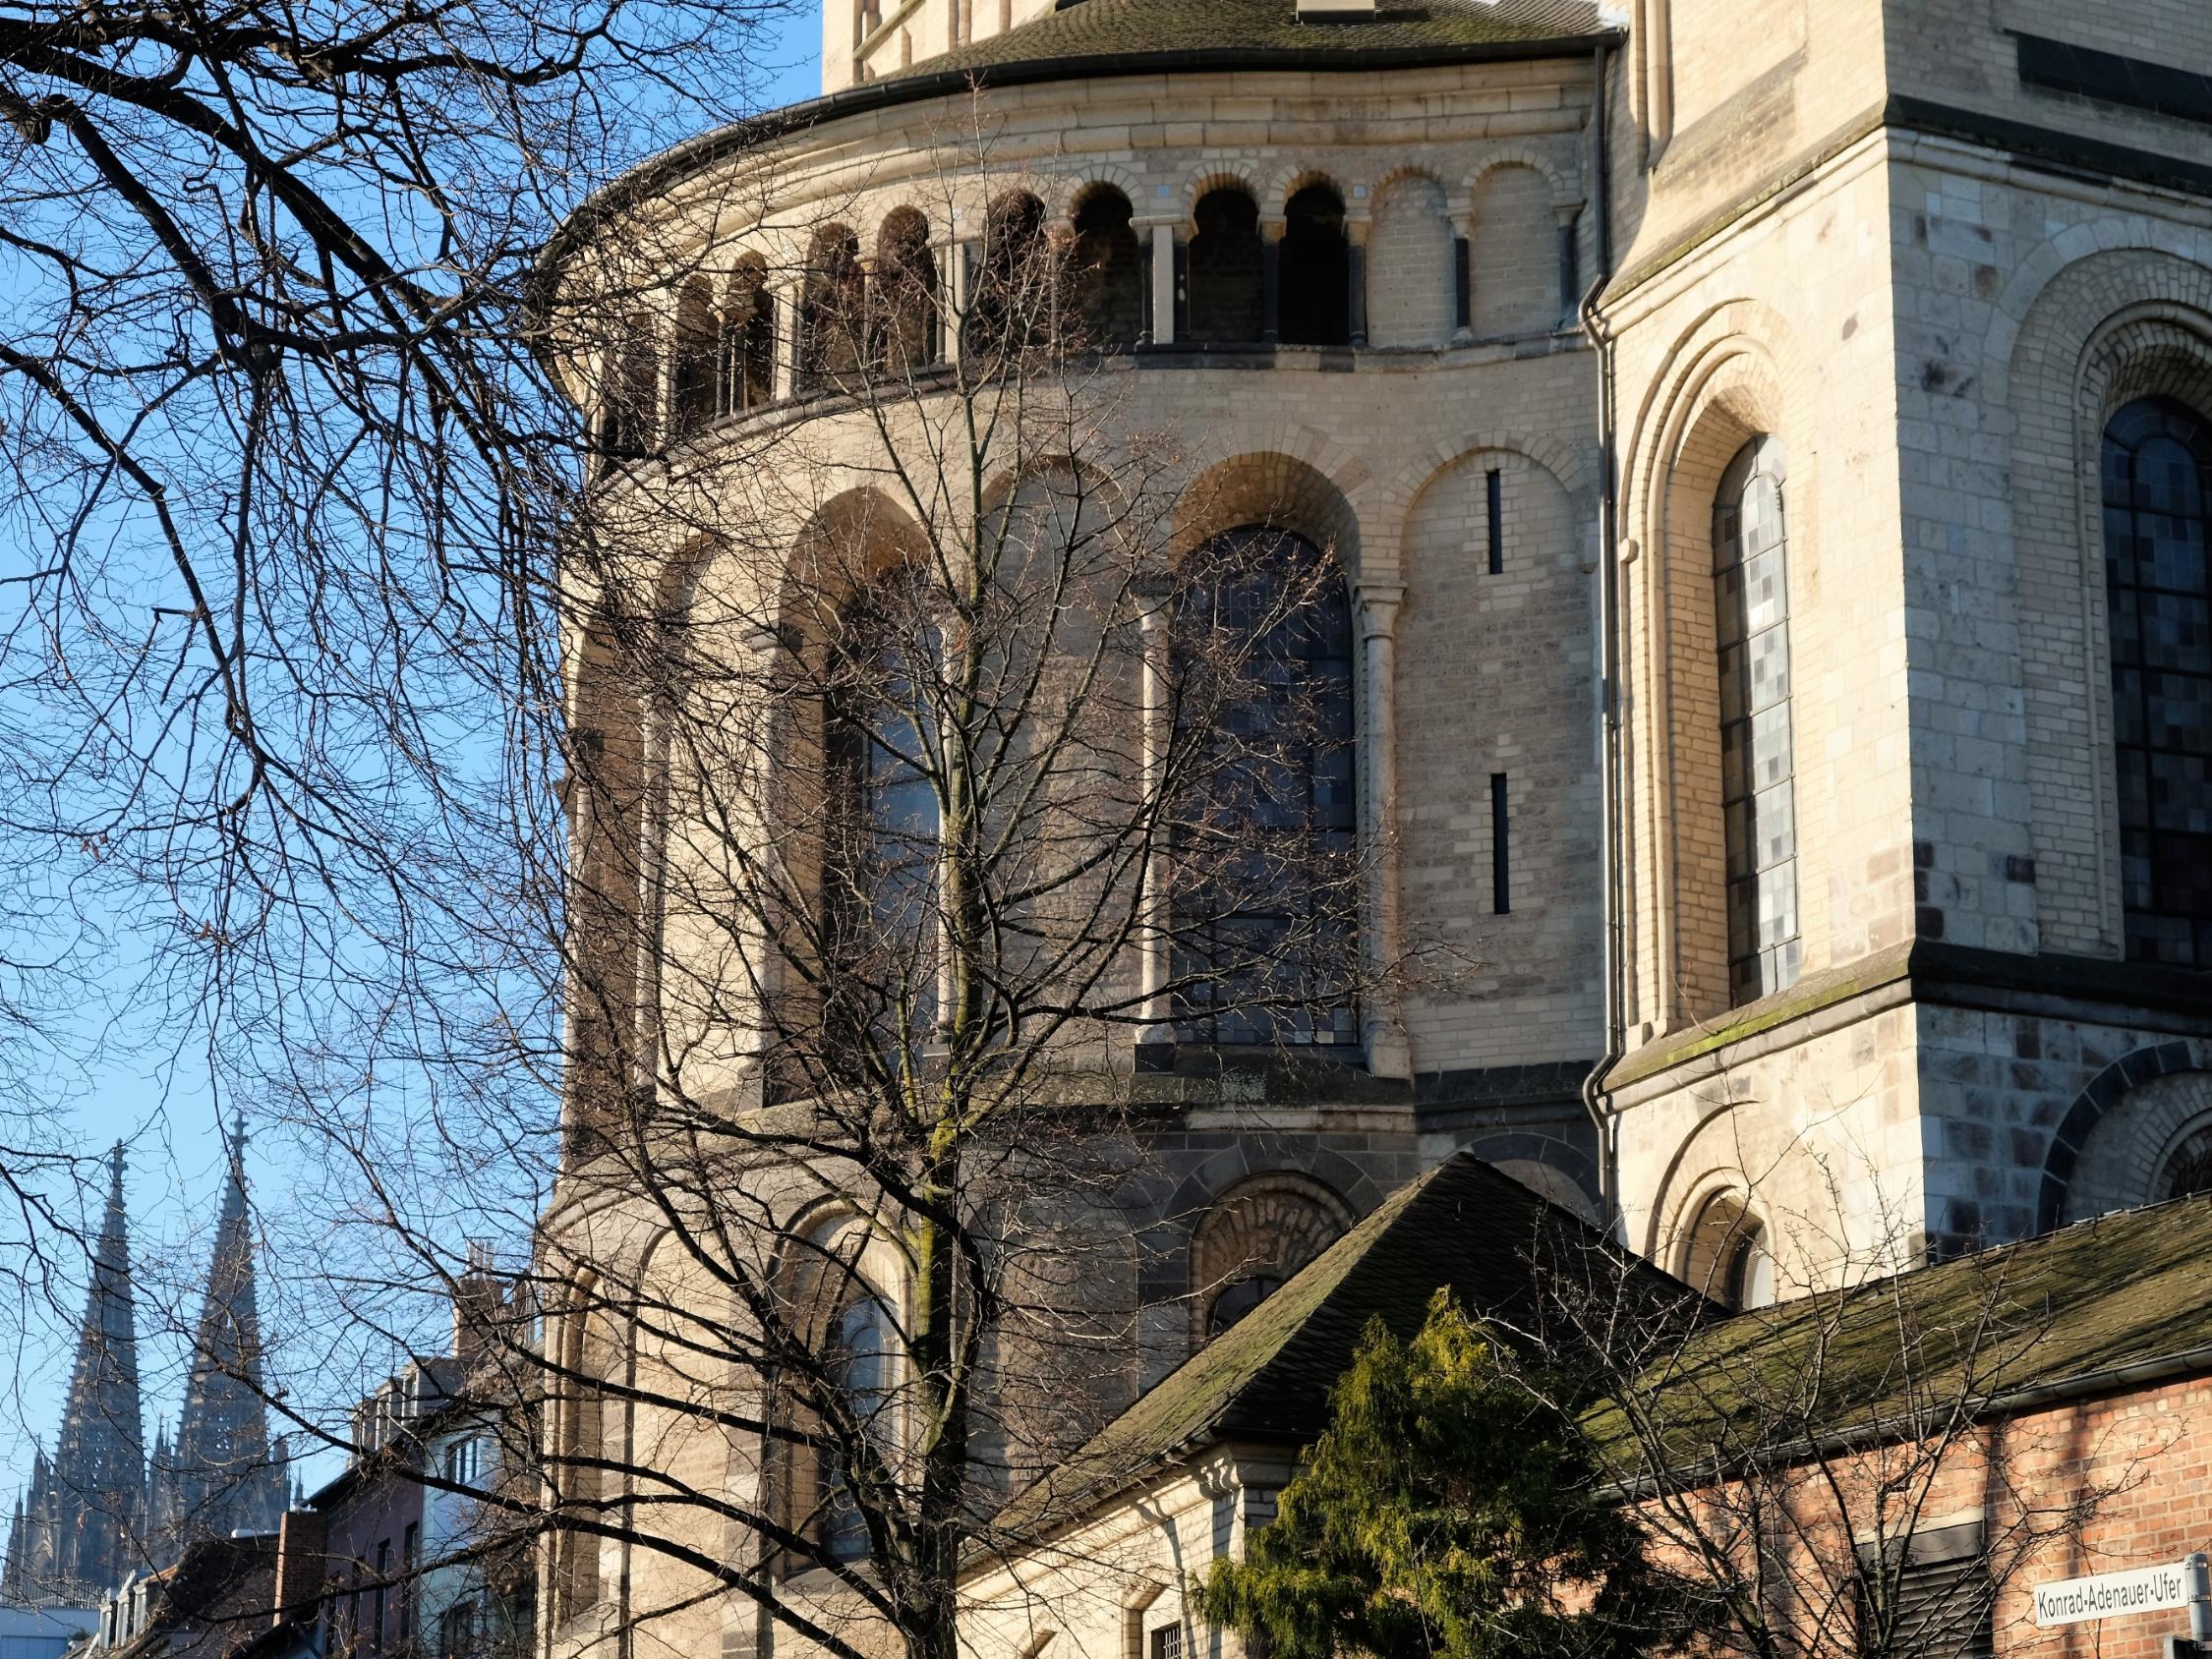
(1494, 488)
(1501, 868)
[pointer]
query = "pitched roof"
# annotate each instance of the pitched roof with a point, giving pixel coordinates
(1206, 33)
(2100, 1304)
(1267, 1378)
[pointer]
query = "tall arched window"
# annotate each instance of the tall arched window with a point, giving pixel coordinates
(884, 819)
(857, 1362)
(2157, 455)
(1108, 272)
(1314, 270)
(1265, 923)
(905, 295)
(832, 309)
(1758, 800)
(749, 341)
(1227, 278)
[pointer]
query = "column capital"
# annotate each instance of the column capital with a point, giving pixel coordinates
(1378, 603)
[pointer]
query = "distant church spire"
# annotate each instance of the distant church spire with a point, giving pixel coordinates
(223, 1475)
(84, 1524)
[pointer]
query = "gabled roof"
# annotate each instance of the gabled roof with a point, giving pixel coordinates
(1240, 34)
(1266, 1379)
(2118, 1301)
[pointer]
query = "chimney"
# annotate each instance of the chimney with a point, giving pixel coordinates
(301, 1539)
(479, 1302)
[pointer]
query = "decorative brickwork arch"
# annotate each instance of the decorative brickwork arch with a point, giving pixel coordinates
(1273, 488)
(2124, 1130)
(1251, 1240)
(1566, 191)
(1165, 1265)
(1574, 471)
(1091, 177)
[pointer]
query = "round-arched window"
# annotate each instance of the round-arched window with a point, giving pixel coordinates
(1252, 1242)
(1266, 931)
(2157, 455)
(1727, 1254)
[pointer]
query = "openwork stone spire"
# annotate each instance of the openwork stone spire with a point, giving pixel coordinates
(83, 1526)
(223, 1475)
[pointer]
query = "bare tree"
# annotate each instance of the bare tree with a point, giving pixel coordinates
(1858, 1471)
(935, 763)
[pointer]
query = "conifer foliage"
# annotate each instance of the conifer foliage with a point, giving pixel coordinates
(1450, 1512)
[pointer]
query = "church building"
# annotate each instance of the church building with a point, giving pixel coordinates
(1758, 452)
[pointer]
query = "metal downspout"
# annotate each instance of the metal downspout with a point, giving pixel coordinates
(1611, 967)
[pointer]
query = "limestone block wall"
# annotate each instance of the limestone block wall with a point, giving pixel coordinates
(1781, 329)
(1817, 1121)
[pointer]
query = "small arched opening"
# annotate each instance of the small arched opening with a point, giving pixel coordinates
(832, 311)
(1315, 271)
(1011, 307)
(1727, 1254)
(747, 376)
(905, 295)
(1107, 273)
(1226, 300)
(693, 393)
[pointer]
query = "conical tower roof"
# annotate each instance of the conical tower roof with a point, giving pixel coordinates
(84, 1524)
(226, 1476)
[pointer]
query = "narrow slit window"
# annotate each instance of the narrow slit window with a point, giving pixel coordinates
(1501, 851)
(1495, 516)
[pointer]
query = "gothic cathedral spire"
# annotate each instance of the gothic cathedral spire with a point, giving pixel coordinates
(223, 1475)
(84, 1524)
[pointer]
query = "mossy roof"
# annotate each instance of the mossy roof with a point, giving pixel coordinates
(1266, 1379)
(2123, 1297)
(2097, 1304)
(1207, 32)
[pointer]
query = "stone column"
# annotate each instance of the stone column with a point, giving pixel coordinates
(1155, 1038)
(1463, 278)
(1356, 268)
(1163, 283)
(787, 302)
(1381, 1022)
(1060, 249)
(1271, 279)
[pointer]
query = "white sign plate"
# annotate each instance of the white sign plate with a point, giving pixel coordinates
(2110, 1595)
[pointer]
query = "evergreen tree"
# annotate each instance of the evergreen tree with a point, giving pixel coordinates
(1450, 1512)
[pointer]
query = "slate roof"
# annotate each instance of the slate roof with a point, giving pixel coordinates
(2103, 1303)
(1202, 33)
(1266, 1379)
(2120, 1300)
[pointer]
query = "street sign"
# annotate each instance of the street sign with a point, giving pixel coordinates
(2112, 1595)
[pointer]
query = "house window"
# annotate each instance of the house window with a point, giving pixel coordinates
(2156, 458)
(383, 1592)
(1936, 1602)
(1757, 799)
(457, 1631)
(410, 1547)
(1266, 926)
(463, 1463)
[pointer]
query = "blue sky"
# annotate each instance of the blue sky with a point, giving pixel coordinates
(167, 1107)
